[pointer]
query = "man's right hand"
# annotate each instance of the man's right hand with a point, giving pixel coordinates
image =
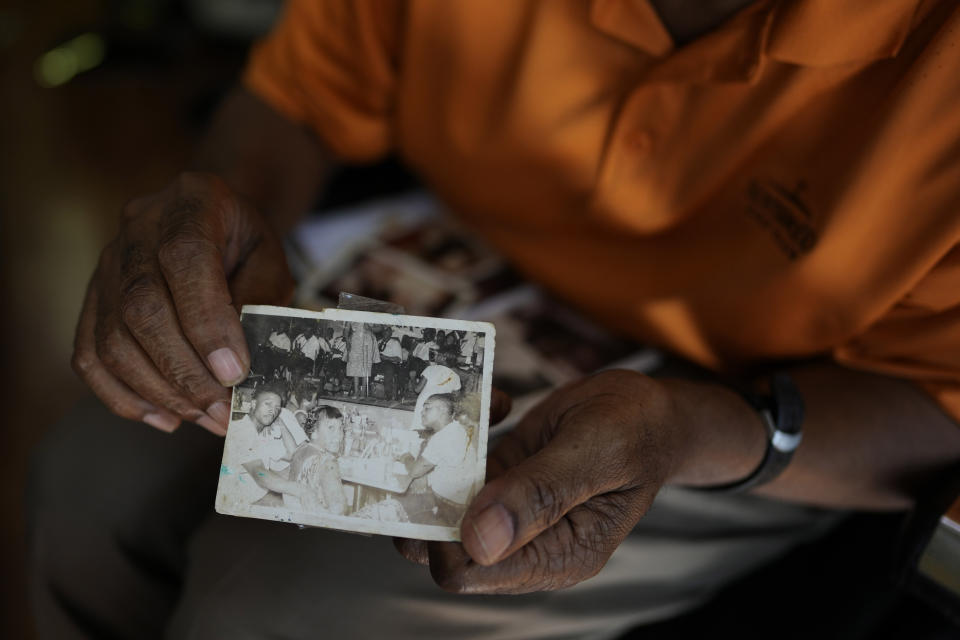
(159, 337)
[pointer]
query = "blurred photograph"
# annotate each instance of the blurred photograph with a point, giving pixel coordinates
(386, 274)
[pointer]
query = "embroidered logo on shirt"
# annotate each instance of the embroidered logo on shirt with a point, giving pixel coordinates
(783, 214)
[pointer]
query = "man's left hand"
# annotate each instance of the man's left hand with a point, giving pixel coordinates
(564, 489)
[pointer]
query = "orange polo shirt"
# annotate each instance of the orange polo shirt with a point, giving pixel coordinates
(785, 186)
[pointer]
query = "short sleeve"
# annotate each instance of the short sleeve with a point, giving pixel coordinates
(919, 339)
(447, 447)
(331, 65)
(392, 348)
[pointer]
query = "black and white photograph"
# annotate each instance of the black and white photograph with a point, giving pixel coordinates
(367, 422)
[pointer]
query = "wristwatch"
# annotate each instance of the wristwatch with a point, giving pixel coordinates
(782, 412)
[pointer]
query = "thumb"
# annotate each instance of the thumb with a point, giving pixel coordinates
(531, 497)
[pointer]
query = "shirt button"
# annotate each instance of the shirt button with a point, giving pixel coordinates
(639, 140)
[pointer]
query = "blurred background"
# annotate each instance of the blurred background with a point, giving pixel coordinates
(102, 100)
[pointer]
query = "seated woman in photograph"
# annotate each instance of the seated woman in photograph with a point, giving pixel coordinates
(313, 480)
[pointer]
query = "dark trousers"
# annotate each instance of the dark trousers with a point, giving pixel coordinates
(124, 543)
(390, 372)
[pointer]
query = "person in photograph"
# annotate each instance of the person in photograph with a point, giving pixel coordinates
(478, 349)
(362, 353)
(307, 348)
(323, 355)
(468, 348)
(303, 395)
(404, 382)
(279, 339)
(421, 353)
(438, 377)
(391, 361)
(312, 481)
(331, 385)
(267, 436)
(444, 461)
(273, 446)
(452, 341)
(423, 350)
(334, 366)
(278, 354)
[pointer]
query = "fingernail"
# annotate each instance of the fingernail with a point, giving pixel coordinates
(494, 531)
(162, 421)
(209, 424)
(219, 411)
(226, 366)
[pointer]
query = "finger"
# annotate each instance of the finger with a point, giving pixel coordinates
(202, 237)
(570, 551)
(123, 357)
(115, 395)
(532, 496)
(518, 444)
(148, 314)
(413, 550)
(262, 270)
(449, 566)
(500, 405)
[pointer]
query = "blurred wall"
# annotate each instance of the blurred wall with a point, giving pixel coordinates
(72, 151)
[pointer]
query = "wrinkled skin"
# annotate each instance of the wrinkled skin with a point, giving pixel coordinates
(574, 477)
(166, 295)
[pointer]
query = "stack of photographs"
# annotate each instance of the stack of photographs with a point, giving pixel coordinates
(409, 251)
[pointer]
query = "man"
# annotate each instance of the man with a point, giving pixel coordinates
(391, 359)
(756, 187)
(265, 437)
(276, 356)
(335, 365)
(307, 346)
(422, 351)
(442, 462)
(312, 482)
(438, 377)
(468, 350)
(322, 342)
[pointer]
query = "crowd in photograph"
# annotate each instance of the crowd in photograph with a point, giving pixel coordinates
(367, 362)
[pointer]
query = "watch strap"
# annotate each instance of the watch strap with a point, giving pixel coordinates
(782, 411)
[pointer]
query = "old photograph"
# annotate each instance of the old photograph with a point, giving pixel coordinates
(360, 421)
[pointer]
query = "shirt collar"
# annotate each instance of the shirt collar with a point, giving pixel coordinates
(821, 33)
(812, 33)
